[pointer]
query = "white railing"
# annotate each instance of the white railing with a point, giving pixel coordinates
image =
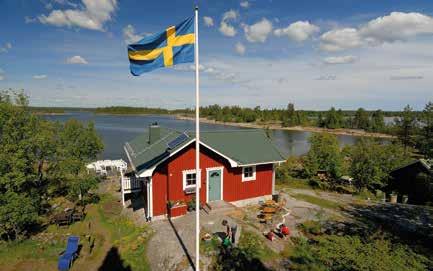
(130, 184)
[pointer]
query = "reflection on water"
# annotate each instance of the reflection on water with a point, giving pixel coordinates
(116, 130)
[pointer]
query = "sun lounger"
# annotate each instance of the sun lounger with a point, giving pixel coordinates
(65, 261)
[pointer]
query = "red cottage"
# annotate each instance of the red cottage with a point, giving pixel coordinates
(236, 166)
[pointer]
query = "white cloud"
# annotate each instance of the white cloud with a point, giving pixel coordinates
(340, 39)
(129, 34)
(230, 15)
(40, 76)
(397, 26)
(76, 60)
(339, 60)
(240, 48)
(93, 15)
(225, 28)
(259, 31)
(208, 21)
(7, 46)
(298, 31)
(245, 4)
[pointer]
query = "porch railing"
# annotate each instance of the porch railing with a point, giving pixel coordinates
(130, 184)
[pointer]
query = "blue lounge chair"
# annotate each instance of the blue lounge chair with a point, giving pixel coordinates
(65, 261)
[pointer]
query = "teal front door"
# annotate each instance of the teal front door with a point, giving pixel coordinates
(214, 179)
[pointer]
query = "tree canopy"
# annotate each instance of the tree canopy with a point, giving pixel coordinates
(38, 159)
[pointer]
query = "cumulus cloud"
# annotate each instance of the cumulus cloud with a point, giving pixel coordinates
(397, 26)
(225, 27)
(339, 60)
(92, 15)
(39, 76)
(76, 60)
(7, 46)
(245, 4)
(298, 31)
(129, 34)
(240, 48)
(208, 21)
(340, 39)
(259, 31)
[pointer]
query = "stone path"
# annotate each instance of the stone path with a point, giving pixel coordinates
(173, 245)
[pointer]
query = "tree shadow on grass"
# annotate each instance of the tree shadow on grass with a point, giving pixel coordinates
(234, 258)
(113, 262)
(412, 224)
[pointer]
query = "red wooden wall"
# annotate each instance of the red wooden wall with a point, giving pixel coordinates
(168, 183)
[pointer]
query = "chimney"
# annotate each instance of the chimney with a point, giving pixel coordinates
(154, 132)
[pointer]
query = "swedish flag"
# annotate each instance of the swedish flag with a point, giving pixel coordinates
(173, 46)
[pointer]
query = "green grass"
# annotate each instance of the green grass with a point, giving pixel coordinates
(295, 183)
(253, 245)
(11, 253)
(318, 201)
(103, 224)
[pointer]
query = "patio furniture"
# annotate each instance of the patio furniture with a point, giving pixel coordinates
(78, 215)
(66, 259)
(62, 219)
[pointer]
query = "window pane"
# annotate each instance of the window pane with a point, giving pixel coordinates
(190, 179)
(248, 172)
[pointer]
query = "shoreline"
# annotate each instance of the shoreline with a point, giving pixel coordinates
(348, 132)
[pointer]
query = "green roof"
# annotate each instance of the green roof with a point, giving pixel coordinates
(244, 147)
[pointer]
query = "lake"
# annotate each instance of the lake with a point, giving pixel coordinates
(115, 130)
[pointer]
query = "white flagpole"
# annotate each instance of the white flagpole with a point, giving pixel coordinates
(197, 146)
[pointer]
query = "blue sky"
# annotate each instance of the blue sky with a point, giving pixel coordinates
(316, 54)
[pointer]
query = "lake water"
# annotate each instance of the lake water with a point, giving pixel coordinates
(115, 130)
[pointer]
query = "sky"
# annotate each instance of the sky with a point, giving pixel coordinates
(316, 54)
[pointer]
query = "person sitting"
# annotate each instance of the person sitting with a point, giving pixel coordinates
(284, 230)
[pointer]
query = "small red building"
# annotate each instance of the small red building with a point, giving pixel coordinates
(236, 166)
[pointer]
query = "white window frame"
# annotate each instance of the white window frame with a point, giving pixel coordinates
(247, 179)
(190, 171)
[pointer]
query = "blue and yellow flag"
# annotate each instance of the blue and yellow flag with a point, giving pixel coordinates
(173, 46)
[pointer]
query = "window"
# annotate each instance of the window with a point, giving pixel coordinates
(189, 179)
(248, 173)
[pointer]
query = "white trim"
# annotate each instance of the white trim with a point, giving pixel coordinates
(207, 182)
(190, 171)
(248, 179)
(129, 157)
(262, 163)
(149, 172)
(231, 161)
(151, 197)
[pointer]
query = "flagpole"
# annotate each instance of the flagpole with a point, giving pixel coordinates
(197, 146)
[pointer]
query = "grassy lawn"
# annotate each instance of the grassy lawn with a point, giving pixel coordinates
(108, 240)
(318, 201)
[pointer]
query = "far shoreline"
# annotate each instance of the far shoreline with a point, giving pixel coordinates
(348, 132)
